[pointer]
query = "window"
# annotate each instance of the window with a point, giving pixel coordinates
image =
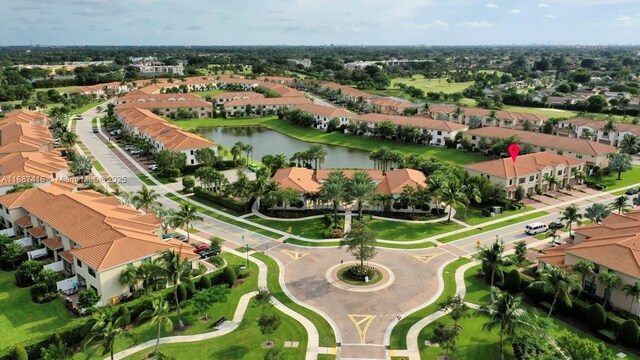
(78, 262)
(589, 287)
(510, 181)
(473, 137)
(91, 272)
(439, 132)
(560, 172)
(578, 156)
(559, 152)
(531, 178)
(521, 180)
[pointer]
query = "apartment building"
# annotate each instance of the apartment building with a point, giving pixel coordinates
(463, 115)
(282, 90)
(90, 237)
(596, 130)
(258, 106)
(141, 96)
(223, 98)
(38, 168)
(592, 153)
(168, 108)
(323, 114)
(101, 90)
(393, 107)
(528, 171)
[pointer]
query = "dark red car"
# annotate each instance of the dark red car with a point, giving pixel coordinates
(201, 247)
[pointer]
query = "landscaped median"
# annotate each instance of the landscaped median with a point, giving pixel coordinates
(497, 225)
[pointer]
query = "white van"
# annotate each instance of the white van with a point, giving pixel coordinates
(535, 228)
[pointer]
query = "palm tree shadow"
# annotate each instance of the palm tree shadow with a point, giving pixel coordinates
(231, 352)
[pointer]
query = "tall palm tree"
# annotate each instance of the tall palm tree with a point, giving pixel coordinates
(551, 180)
(472, 193)
(492, 257)
(630, 144)
(558, 282)
(236, 150)
(334, 190)
(167, 218)
(620, 204)
(145, 198)
(68, 139)
(633, 291)
(150, 272)
(126, 197)
(610, 280)
(319, 155)
(187, 213)
(610, 125)
(361, 189)
(159, 315)
(451, 195)
(506, 314)
(248, 149)
(105, 327)
(82, 165)
(175, 269)
(570, 215)
(130, 276)
(585, 268)
(597, 212)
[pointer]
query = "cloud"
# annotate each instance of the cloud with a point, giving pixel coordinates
(438, 24)
(624, 20)
(193, 27)
(475, 24)
(491, 5)
(516, 11)
(550, 16)
(543, 5)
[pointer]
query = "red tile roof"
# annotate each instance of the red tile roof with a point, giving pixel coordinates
(524, 165)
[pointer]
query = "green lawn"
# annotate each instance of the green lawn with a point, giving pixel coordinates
(80, 110)
(214, 205)
(474, 215)
(22, 319)
(243, 343)
(327, 337)
(431, 85)
(311, 229)
(145, 179)
(398, 338)
(630, 177)
(61, 90)
(97, 165)
(498, 225)
(209, 92)
(556, 113)
(350, 141)
(405, 231)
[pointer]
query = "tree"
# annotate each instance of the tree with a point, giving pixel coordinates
(146, 199)
(584, 268)
(620, 204)
(56, 350)
(167, 218)
(159, 315)
(188, 183)
(287, 197)
(628, 333)
(169, 160)
(361, 243)
(409, 197)
(88, 299)
(274, 353)
(459, 309)
(630, 144)
(597, 212)
(236, 151)
(451, 195)
(506, 314)
(68, 140)
(558, 282)
(12, 253)
(248, 149)
(263, 299)
(610, 280)
(361, 189)
(319, 155)
(473, 194)
(176, 269)
(334, 190)
(187, 214)
(27, 272)
(619, 163)
(492, 257)
(445, 337)
(551, 180)
(106, 326)
(269, 324)
(596, 317)
(570, 215)
(632, 291)
(203, 299)
(579, 347)
(520, 251)
(82, 165)
(130, 277)
(206, 156)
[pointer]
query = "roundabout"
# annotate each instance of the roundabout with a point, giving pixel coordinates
(340, 277)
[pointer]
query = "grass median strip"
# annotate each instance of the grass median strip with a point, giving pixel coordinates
(399, 333)
(324, 329)
(498, 225)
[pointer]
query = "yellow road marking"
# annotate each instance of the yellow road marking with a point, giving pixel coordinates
(493, 238)
(426, 258)
(295, 255)
(359, 321)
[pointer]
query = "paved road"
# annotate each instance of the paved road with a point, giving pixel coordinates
(114, 166)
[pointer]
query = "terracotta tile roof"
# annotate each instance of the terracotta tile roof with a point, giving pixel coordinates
(555, 255)
(282, 79)
(506, 115)
(138, 95)
(23, 221)
(238, 95)
(67, 256)
(620, 253)
(524, 165)
(396, 180)
(355, 93)
(326, 111)
(296, 178)
(579, 146)
(282, 90)
(54, 243)
(26, 116)
(38, 231)
(165, 104)
(156, 88)
(599, 124)
(418, 121)
(287, 101)
(24, 136)
(37, 166)
(388, 102)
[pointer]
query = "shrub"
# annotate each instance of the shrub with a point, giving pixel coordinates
(204, 282)
(220, 200)
(596, 317)
(172, 173)
(512, 281)
(38, 293)
(26, 272)
(19, 353)
(182, 292)
(124, 313)
(613, 322)
(579, 308)
(497, 278)
(628, 333)
(191, 288)
(188, 183)
(607, 335)
(88, 299)
(229, 276)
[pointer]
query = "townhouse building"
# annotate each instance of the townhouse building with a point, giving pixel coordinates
(499, 118)
(168, 108)
(596, 130)
(282, 90)
(323, 114)
(141, 96)
(261, 106)
(592, 153)
(393, 107)
(529, 172)
(220, 99)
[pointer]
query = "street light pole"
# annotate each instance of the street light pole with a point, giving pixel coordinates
(247, 247)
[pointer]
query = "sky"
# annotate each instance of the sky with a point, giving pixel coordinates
(319, 22)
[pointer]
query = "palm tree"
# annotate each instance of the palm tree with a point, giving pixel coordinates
(587, 134)
(187, 213)
(236, 150)
(451, 195)
(620, 204)
(558, 282)
(146, 199)
(175, 269)
(610, 280)
(597, 212)
(551, 180)
(630, 144)
(130, 277)
(334, 190)
(361, 189)
(82, 165)
(159, 315)
(126, 197)
(610, 126)
(167, 218)
(105, 327)
(68, 140)
(506, 314)
(584, 267)
(319, 155)
(248, 149)
(472, 193)
(150, 272)
(633, 291)
(571, 214)
(492, 257)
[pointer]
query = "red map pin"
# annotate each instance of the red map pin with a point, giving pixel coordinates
(514, 150)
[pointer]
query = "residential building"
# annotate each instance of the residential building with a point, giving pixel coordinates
(593, 153)
(18, 135)
(258, 106)
(157, 68)
(612, 246)
(439, 130)
(596, 128)
(528, 171)
(282, 90)
(169, 108)
(140, 96)
(322, 114)
(276, 79)
(159, 87)
(220, 99)
(393, 107)
(26, 116)
(101, 90)
(304, 62)
(463, 115)
(90, 237)
(37, 168)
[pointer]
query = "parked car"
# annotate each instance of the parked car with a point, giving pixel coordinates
(135, 152)
(632, 191)
(128, 147)
(179, 236)
(166, 236)
(200, 248)
(153, 167)
(95, 130)
(208, 253)
(556, 225)
(254, 167)
(558, 242)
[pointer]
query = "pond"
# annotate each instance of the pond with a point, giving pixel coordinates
(266, 141)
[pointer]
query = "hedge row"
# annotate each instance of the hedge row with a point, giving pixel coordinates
(229, 203)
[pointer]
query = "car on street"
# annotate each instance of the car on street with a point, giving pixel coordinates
(555, 225)
(95, 130)
(632, 191)
(200, 248)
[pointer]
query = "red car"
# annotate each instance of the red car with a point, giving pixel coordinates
(201, 247)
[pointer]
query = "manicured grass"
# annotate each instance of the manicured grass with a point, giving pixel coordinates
(80, 110)
(343, 275)
(145, 180)
(492, 227)
(398, 338)
(324, 329)
(243, 343)
(61, 90)
(405, 231)
(474, 215)
(312, 243)
(326, 357)
(345, 140)
(552, 113)
(477, 290)
(630, 177)
(311, 228)
(214, 205)
(422, 245)
(209, 92)
(226, 219)
(22, 319)
(431, 85)
(97, 165)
